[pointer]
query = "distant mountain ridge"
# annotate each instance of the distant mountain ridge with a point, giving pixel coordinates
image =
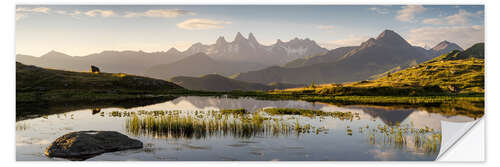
(445, 47)
(339, 53)
(374, 56)
(241, 50)
(250, 50)
(132, 62)
(247, 60)
(199, 64)
(218, 83)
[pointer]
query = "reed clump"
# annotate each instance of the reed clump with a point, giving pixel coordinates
(311, 113)
(234, 111)
(424, 139)
(212, 123)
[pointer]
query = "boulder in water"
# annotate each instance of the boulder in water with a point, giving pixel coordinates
(82, 145)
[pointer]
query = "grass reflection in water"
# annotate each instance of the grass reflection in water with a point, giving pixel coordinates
(239, 123)
(200, 124)
(424, 140)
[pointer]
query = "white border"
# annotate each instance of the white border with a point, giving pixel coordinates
(8, 84)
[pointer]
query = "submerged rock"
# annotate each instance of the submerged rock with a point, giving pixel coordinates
(82, 145)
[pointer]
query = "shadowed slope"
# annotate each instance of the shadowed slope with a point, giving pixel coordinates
(214, 82)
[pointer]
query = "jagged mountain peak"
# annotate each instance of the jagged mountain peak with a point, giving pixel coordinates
(446, 46)
(239, 37)
(252, 39)
(249, 49)
(221, 40)
(391, 38)
(279, 42)
(388, 34)
(368, 43)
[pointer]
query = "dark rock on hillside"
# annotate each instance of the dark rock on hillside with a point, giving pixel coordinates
(82, 145)
(94, 69)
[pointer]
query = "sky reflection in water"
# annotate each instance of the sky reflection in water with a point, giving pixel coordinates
(34, 135)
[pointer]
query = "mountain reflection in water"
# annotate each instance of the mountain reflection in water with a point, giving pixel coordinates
(191, 128)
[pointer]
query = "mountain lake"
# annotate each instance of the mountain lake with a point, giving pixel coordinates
(194, 128)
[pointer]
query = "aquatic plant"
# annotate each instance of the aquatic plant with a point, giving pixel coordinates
(233, 111)
(176, 125)
(424, 139)
(21, 126)
(310, 113)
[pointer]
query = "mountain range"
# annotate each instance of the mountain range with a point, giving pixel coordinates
(132, 62)
(240, 51)
(200, 64)
(250, 50)
(284, 64)
(376, 55)
(456, 71)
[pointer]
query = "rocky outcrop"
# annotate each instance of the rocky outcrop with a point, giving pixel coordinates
(82, 145)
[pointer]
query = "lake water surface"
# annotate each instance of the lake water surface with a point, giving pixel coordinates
(373, 133)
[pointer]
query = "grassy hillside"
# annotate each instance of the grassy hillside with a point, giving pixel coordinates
(457, 76)
(452, 73)
(35, 84)
(456, 72)
(218, 83)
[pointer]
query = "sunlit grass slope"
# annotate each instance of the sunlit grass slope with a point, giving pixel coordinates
(35, 83)
(451, 73)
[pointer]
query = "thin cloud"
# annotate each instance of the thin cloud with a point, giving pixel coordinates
(99, 12)
(407, 14)
(161, 13)
(154, 13)
(24, 12)
(328, 28)
(202, 24)
(379, 10)
(465, 36)
(34, 10)
(72, 13)
(20, 16)
(462, 17)
(435, 21)
(352, 40)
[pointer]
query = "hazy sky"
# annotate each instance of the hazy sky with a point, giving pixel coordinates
(80, 30)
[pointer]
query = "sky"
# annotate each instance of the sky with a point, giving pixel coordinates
(79, 30)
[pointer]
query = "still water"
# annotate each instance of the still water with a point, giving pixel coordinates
(372, 133)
